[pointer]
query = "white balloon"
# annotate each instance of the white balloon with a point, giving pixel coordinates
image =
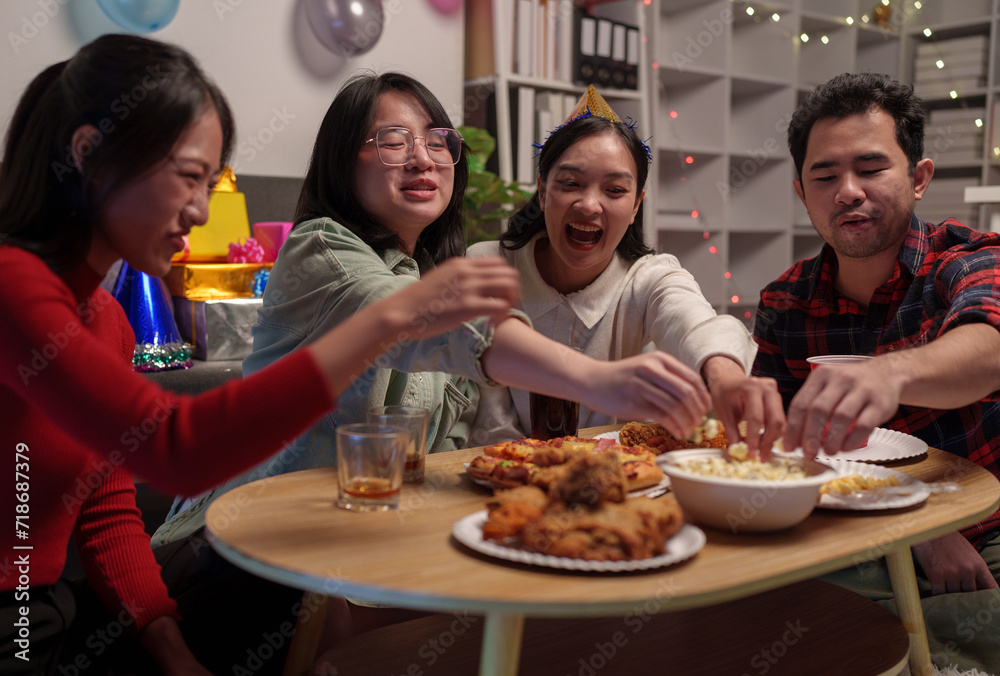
(346, 27)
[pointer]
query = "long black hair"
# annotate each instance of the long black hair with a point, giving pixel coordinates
(140, 95)
(529, 220)
(329, 184)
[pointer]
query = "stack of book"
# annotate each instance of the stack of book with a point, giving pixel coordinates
(957, 64)
(955, 135)
(945, 198)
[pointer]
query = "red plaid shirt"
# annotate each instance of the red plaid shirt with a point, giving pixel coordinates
(946, 275)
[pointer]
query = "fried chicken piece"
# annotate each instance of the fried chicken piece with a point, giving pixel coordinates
(510, 510)
(608, 532)
(637, 529)
(656, 437)
(585, 478)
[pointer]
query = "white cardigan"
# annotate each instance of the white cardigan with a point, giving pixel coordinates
(627, 309)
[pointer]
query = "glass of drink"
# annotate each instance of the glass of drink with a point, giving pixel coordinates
(415, 420)
(370, 460)
(552, 417)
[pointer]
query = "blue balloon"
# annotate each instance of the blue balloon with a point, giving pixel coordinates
(140, 16)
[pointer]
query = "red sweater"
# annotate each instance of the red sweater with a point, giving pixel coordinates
(75, 421)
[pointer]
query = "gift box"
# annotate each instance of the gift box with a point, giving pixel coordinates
(217, 329)
(227, 222)
(271, 235)
(213, 281)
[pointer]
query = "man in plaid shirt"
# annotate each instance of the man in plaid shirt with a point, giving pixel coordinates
(923, 298)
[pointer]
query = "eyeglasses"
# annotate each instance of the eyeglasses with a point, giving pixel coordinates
(395, 145)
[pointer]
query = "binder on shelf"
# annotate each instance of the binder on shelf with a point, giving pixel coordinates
(585, 57)
(632, 58)
(604, 62)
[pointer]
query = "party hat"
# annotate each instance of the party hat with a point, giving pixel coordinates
(158, 344)
(592, 104)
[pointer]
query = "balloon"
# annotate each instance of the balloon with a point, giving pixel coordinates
(446, 6)
(140, 16)
(346, 27)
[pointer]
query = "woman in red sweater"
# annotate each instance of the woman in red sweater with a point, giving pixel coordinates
(112, 155)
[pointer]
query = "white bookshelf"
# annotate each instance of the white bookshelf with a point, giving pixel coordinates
(491, 99)
(726, 83)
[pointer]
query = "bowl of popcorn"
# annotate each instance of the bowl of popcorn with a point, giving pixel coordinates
(734, 492)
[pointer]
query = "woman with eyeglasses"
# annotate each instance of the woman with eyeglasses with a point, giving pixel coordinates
(381, 206)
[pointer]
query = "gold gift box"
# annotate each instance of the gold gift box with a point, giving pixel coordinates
(213, 281)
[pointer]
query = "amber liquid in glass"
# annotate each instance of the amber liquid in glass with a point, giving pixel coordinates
(370, 488)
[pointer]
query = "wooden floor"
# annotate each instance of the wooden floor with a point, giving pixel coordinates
(808, 628)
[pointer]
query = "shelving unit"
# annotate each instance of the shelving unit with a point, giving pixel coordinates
(720, 85)
(491, 100)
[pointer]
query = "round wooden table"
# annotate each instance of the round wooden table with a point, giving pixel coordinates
(287, 529)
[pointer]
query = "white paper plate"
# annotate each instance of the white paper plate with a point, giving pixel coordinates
(883, 446)
(683, 545)
(847, 467)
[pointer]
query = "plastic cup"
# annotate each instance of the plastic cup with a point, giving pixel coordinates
(835, 360)
(370, 461)
(415, 421)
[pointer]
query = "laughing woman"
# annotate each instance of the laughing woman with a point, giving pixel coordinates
(589, 281)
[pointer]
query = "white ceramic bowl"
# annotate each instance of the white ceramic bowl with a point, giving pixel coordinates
(744, 505)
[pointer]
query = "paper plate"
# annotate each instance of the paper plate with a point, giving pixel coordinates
(683, 545)
(874, 500)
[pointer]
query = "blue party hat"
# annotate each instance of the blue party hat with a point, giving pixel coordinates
(158, 344)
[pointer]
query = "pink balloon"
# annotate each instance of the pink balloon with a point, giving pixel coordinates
(446, 6)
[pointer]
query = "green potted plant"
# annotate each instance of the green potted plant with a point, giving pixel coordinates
(489, 199)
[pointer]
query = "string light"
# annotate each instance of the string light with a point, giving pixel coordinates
(750, 11)
(689, 160)
(928, 32)
(804, 37)
(748, 314)
(735, 299)
(728, 275)
(694, 213)
(713, 250)
(775, 17)
(673, 114)
(825, 40)
(850, 21)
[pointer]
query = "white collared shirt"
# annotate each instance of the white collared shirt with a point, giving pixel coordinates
(652, 302)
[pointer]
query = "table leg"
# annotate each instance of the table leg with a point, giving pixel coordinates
(501, 644)
(904, 588)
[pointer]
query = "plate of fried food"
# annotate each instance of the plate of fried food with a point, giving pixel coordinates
(582, 522)
(863, 486)
(530, 462)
